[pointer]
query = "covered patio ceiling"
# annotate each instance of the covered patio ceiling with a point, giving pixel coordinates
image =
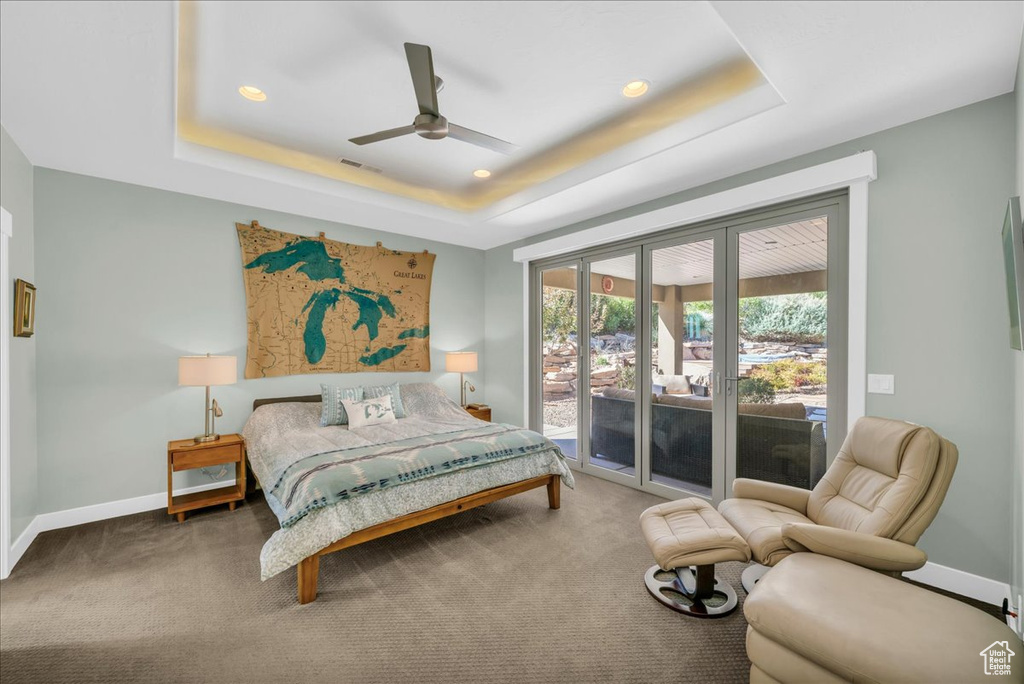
(784, 259)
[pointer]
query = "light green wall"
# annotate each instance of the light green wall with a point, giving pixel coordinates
(936, 306)
(1017, 483)
(16, 197)
(131, 278)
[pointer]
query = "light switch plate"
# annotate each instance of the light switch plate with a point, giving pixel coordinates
(881, 384)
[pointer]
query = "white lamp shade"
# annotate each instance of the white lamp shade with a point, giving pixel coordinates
(207, 370)
(460, 362)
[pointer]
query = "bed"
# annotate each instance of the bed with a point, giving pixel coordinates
(335, 487)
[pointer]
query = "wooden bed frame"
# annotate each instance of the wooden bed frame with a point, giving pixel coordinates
(309, 568)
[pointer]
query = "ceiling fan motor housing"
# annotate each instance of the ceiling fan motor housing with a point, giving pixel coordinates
(430, 126)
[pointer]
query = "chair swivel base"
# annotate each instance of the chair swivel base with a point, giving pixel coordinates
(752, 575)
(693, 590)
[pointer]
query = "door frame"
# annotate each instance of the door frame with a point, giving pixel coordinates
(583, 440)
(717, 234)
(851, 174)
(535, 395)
(836, 209)
(6, 321)
(724, 228)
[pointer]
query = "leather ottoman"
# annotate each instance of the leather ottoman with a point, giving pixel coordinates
(819, 619)
(687, 538)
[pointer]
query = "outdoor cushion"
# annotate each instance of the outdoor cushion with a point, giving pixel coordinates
(619, 393)
(685, 401)
(794, 410)
(675, 384)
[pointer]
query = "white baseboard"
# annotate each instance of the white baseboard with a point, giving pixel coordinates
(87, 514)
(934, 575)
(20, 546)
(960, 582)
(115, 509)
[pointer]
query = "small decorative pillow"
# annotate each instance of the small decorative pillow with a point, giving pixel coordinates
(333, 411)
(387, 390)
(369, 411)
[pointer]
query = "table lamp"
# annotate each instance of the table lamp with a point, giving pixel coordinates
(461, 362)
(197, 371)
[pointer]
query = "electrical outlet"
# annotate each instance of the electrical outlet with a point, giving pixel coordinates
(881, 384)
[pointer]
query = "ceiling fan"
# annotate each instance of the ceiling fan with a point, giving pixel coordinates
(430, 124)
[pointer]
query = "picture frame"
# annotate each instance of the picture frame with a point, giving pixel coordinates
(1013, 255)
(24, 308)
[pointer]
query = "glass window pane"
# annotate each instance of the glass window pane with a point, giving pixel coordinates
(682, 322)
(612, 311)
(558, 357)
(783, 353)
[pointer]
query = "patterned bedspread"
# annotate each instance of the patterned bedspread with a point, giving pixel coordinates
(324, 483)
(325, 479)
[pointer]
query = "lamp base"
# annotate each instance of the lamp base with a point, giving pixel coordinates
(199, 439)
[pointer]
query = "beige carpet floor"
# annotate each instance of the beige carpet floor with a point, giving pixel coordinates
(511, 592)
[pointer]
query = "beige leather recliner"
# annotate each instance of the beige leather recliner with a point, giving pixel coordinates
(870, 508)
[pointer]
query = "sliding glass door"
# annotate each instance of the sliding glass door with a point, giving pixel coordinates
(786, 382)
(683, 419)
(703, 354)
(611, 321)
(557, 355)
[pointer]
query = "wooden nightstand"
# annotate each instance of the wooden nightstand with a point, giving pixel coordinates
(185, 454)
(482, 413)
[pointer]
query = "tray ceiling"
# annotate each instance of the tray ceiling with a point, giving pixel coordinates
(92, 88)
(546, 76)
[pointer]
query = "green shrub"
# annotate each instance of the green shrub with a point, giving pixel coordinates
(787, 375)
(627, 378)
(558, 315)
(756, 391)
(619, 315)
(793, 319)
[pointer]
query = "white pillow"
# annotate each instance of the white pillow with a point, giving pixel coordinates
(674, 384)
(369, 411)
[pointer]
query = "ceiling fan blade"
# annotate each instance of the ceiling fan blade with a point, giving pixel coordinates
(480, 139)
(383, 135)
(421, 66)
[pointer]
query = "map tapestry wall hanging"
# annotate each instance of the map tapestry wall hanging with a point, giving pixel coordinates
(320, 306)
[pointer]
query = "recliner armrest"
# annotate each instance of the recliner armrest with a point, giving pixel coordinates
(783, 495)
(866, 550)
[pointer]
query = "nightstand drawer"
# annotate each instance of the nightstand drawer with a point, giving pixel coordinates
(229, 453)
(482, 413)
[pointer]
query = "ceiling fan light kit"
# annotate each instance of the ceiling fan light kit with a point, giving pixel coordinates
(429, 123)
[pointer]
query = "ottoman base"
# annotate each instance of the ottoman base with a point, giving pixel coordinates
(693, 590)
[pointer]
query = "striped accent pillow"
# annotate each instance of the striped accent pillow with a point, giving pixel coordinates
(333, 411)
(383, 390)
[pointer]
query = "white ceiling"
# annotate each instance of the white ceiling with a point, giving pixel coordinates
(333, 71)
(89, 87)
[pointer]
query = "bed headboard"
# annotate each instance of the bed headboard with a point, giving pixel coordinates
(309, 398)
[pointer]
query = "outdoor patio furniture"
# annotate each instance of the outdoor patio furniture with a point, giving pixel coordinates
(780, 445)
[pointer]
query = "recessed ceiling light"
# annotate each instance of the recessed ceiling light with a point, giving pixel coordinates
(635, 88)
(482, 173)
(771, 242)
(252, 93)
